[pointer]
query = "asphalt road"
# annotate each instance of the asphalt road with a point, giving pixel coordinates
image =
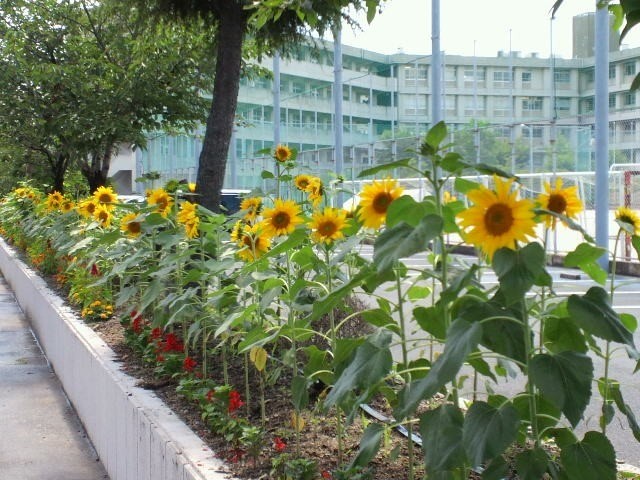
(626, 299)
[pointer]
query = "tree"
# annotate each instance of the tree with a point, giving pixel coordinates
(270, 26)
(79, 79)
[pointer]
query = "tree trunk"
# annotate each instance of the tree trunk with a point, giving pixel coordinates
(215, 148)
(97, 170)
(59, 163)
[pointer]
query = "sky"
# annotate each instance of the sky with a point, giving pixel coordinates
(487, 26)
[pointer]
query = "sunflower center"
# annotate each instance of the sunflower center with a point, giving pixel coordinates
(327, 229)
(91, 208)
(557, 203)
(246, 240)
(498, 219)
(381, 202)
(134, 227)
(281, 220)
(104, 198)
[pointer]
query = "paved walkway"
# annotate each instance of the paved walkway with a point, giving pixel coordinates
(41, 437)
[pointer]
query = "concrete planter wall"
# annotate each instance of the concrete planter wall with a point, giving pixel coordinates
(135, 434)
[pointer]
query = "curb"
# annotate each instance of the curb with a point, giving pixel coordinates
(136, 436)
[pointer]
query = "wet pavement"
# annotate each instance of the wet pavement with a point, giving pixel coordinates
(40, 435)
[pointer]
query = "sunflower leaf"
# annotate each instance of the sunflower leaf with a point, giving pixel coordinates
(585, 257)
(403, 240)
(519, 270)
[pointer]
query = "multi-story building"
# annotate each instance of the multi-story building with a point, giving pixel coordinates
(538, 104)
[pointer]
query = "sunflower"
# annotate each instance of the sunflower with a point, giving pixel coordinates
(302, 182)
(131, 225)
(251, 206)
(282, 218)
(447, 197)
(563, 201)
(161, 199)
(282, 153)
(188, 217)
(105, 196)
(67, 205)
(252, 241)
(498, 218)
(87, 207)
(375, 200)
(54, 200)
(191, 186)
(316, 191)
(628, 220)
(102, 214)
(327, 226)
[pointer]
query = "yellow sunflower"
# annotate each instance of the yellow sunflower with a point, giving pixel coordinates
(282, 153)
(105, 196)
(316, 191)
(251, 206)
(87, 207)
(327, 225)
(447, 197)
(629, 219)
(375, 200)
(102, 214)
(191, 186)
(282, 218)
(54, 200)
(302, 182)
(188, 217)
(563, 201)
(131, 225)
(252, 241)
(67, 205)
(161, 199)
(498, 218)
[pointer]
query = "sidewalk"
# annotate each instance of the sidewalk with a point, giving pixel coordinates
(41, 437)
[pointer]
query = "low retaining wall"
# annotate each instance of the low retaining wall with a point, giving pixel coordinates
(135, 434)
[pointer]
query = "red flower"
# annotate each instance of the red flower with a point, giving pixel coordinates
(235, 402)
(279, 444)
(325, 474)
(159, 358)
(95, 271)
(189, 364)
(172, 343)
(138, 324)
(156, 333)
(210, 395)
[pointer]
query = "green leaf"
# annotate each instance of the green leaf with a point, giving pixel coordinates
(591, 459)
(629, 321)
(585, 257)
(565, 380)
(405, 162)
(372, 362)
(431, 320)
(418, 292)
(434, 138)
(463, 185)
(406, 209)
(635, 240)
(379, 318)
(299, 392)
(497, 469)
(452, 162)
(458, 283)
(519, 270)
(593, 313)
(403, 240)
(488, 431)
(441, 432)
(532, 464)
(625, 409)
(462, 339)
(266, 174)
(369, 445)
(561, 334)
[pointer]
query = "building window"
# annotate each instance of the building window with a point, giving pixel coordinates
(532, 103)
(612, 100)
(629, 99)
(589, 75)
(562, 76)
(526, 77)
(501, 107)
(502, 78)
(612, 71)
(480, 75)
(563, 104)
(629, 68)
(297, 87)
(587, 105)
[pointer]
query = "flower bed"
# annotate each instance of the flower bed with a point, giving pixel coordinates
(200, 294)
(136, 436)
